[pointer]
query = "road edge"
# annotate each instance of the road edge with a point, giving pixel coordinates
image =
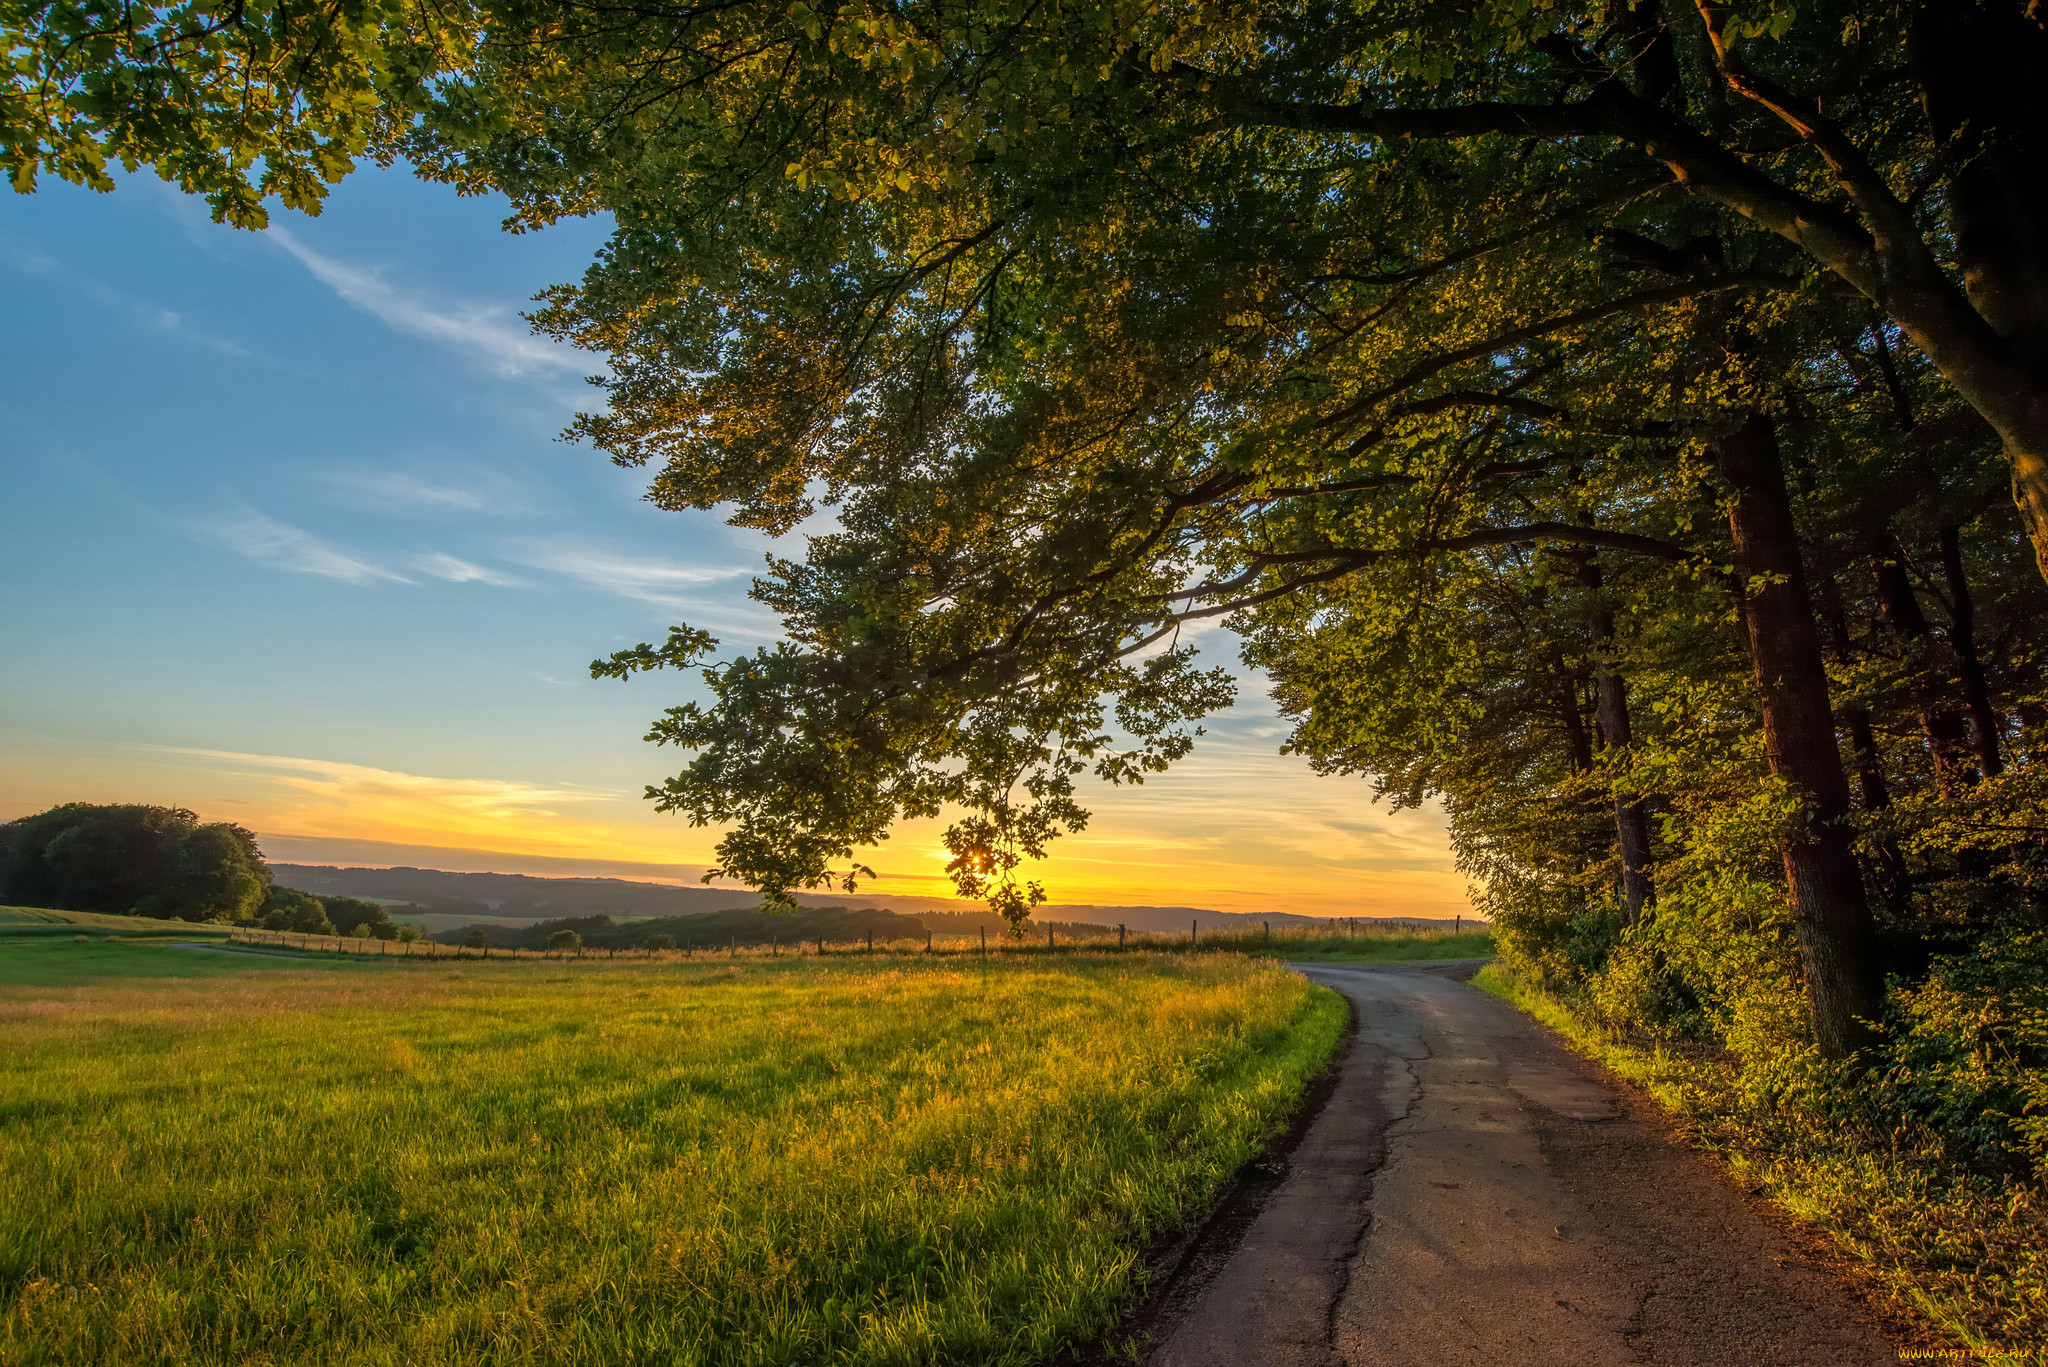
(1179, 1269)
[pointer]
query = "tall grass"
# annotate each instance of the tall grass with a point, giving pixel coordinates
(860, 1161)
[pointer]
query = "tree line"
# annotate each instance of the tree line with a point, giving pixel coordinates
(163, 862)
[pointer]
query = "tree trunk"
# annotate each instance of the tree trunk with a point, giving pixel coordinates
(1631, 816)
(1946, 742)
(1837, 939)
(1979, 69)
(1962, 635)
(1610, 703)
(1894, 880)
(1578, 748)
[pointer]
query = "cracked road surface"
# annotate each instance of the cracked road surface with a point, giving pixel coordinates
(1474, 1193)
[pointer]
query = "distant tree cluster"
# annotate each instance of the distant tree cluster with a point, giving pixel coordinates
(132, 860)
(305, 914)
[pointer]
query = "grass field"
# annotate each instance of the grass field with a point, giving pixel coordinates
(273, 1159)
(1391, 945)
(16, 922)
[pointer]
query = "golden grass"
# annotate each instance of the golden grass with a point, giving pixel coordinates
(881, 1161)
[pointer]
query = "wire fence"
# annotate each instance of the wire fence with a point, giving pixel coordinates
(1357, 934)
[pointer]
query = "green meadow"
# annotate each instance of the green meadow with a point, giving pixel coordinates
(1367, 943)
(215, 1155)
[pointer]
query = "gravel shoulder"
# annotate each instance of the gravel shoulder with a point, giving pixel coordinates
(1473, 1193)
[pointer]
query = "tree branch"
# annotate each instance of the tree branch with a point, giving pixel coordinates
(1592, 313)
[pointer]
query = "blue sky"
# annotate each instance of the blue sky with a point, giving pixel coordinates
(291, 540)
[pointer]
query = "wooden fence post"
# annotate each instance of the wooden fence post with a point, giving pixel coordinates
(1048, 937)
(1269, 931)
(1119, 935)
(984, 942)
(871, 942)
(1194, 927)
(927, 942)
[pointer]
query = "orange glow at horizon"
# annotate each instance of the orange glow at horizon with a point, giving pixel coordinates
(1234, 829)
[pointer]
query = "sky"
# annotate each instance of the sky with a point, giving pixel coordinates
(289, 538)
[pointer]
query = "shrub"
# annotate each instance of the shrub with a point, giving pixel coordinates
(565, 940)
(300, 912)
(659, 940)
(1969, 1055)
(347, 913)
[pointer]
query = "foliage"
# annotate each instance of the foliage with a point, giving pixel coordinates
(906, 1162)
(301, 912)
(146, 861)
(241, 103)
(1969, 1067)
(349, 914)
(1091, 323)
(564, 939)
(304, 913)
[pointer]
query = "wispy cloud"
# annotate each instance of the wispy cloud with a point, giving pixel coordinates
(401, 493)
(296, 796)
(649, 581)
(496, 335)
(269, 542)
(462, 571)
(360, 785)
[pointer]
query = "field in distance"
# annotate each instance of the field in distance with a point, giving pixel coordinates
(38, 921)
(285, 1158)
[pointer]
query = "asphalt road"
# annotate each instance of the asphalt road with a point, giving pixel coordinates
(1474, 1193)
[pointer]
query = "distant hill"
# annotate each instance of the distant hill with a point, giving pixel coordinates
(509, 894)
(525, 896)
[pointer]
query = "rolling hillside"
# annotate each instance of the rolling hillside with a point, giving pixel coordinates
(524, 896)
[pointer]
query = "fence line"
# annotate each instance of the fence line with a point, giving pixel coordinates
(1213, 940)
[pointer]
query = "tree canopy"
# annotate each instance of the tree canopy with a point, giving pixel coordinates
(241, 103)
(131, 860)
(1598, 416)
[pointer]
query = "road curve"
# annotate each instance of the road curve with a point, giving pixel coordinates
(1474, 1193)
